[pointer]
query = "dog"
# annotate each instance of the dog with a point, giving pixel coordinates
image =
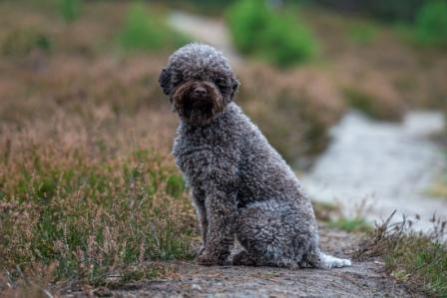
(241, 187)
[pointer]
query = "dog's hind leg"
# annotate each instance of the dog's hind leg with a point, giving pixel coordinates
(270, 235)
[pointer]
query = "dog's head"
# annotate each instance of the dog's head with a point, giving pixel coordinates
(199, 82)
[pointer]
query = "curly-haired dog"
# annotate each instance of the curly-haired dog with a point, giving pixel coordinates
(241, 186)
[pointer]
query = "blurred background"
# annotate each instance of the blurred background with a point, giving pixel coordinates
(352, 93)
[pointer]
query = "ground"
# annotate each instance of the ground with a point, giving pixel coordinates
(363, 279)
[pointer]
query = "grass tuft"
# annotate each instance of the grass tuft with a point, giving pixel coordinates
(351, 225)
(419, 260)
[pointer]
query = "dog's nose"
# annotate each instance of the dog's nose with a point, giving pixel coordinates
(200, 92)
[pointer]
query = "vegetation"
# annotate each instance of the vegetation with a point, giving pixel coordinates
(21, 42)
(277, 37)
(370, 103)
(351, 225)
(146, 31)
(431, 24)
(89, 217)
(419, 260)
(70, 9)
(87, 185)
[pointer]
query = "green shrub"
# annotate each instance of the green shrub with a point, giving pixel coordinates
(431, 24)
(279, 38)
(248, 20)
(70, 10)
(286, 42)
(144, 31)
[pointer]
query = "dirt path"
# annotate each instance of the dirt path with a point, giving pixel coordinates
(365, 279)
(380, 166)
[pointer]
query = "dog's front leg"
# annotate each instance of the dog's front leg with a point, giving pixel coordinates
(221, 211)
(199, 204)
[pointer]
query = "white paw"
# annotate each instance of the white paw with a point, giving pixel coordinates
(328, 262)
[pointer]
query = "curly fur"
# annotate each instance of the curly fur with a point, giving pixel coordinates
(241, 186)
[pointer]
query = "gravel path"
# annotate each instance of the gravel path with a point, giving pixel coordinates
(373, 168)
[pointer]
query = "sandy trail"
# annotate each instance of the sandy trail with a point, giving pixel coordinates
(373, 168)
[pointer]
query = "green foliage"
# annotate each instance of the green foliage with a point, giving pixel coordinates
(70, 9)
(248, 20)
(175, 186)
(287, 42)
(277, 37)
(145, 31)
(431, 24)
(21, 42)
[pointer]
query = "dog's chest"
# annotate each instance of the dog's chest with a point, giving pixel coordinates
(202, 158)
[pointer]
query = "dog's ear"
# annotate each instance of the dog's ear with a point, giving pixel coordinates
(164, 80)
(234, 86)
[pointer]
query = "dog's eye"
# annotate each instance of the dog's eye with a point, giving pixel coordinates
(221, 82)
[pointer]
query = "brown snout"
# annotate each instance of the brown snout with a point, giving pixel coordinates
(197, 102)
(199, 92)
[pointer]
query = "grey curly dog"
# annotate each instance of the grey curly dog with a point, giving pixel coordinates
(241, 186)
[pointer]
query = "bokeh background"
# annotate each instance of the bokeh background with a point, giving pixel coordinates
(87, 183)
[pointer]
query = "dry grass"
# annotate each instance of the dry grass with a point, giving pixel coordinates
(416, 259)
(294, 109)
(88, 203)
(87, 185)
(385, 76)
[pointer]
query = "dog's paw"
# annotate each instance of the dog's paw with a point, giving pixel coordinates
(207, 259)
(243, 259)
(328, 262)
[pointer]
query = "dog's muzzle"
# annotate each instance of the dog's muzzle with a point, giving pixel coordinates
(198, 102)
